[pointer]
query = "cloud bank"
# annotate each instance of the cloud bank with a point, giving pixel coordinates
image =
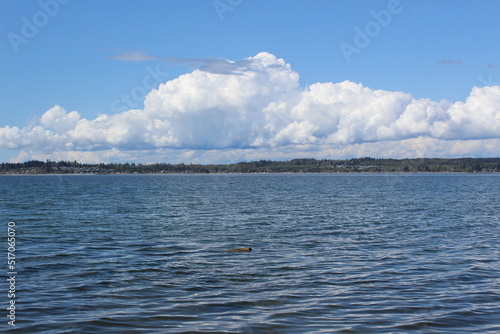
(254, 108)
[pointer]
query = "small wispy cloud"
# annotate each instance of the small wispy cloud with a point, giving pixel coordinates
(492, 66)
(210, 65)
(137, 56)
(215, 65)
(449, 62)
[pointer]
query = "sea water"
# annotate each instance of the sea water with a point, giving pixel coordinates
(348, 253)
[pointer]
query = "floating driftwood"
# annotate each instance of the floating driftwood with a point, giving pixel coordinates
(244, 249)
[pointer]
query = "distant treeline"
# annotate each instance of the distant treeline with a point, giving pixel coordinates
(361, 165)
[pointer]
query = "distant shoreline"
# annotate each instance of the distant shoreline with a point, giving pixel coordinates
(254, 173)
(294, 166)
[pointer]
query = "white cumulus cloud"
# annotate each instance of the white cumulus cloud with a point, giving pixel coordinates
(260, 110)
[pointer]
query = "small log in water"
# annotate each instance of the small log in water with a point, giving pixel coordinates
(244, 249)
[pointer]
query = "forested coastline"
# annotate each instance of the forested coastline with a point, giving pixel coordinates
(358, 165)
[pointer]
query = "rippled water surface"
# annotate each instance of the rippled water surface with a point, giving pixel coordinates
(331, 253)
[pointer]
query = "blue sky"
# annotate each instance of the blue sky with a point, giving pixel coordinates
(81, 57)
